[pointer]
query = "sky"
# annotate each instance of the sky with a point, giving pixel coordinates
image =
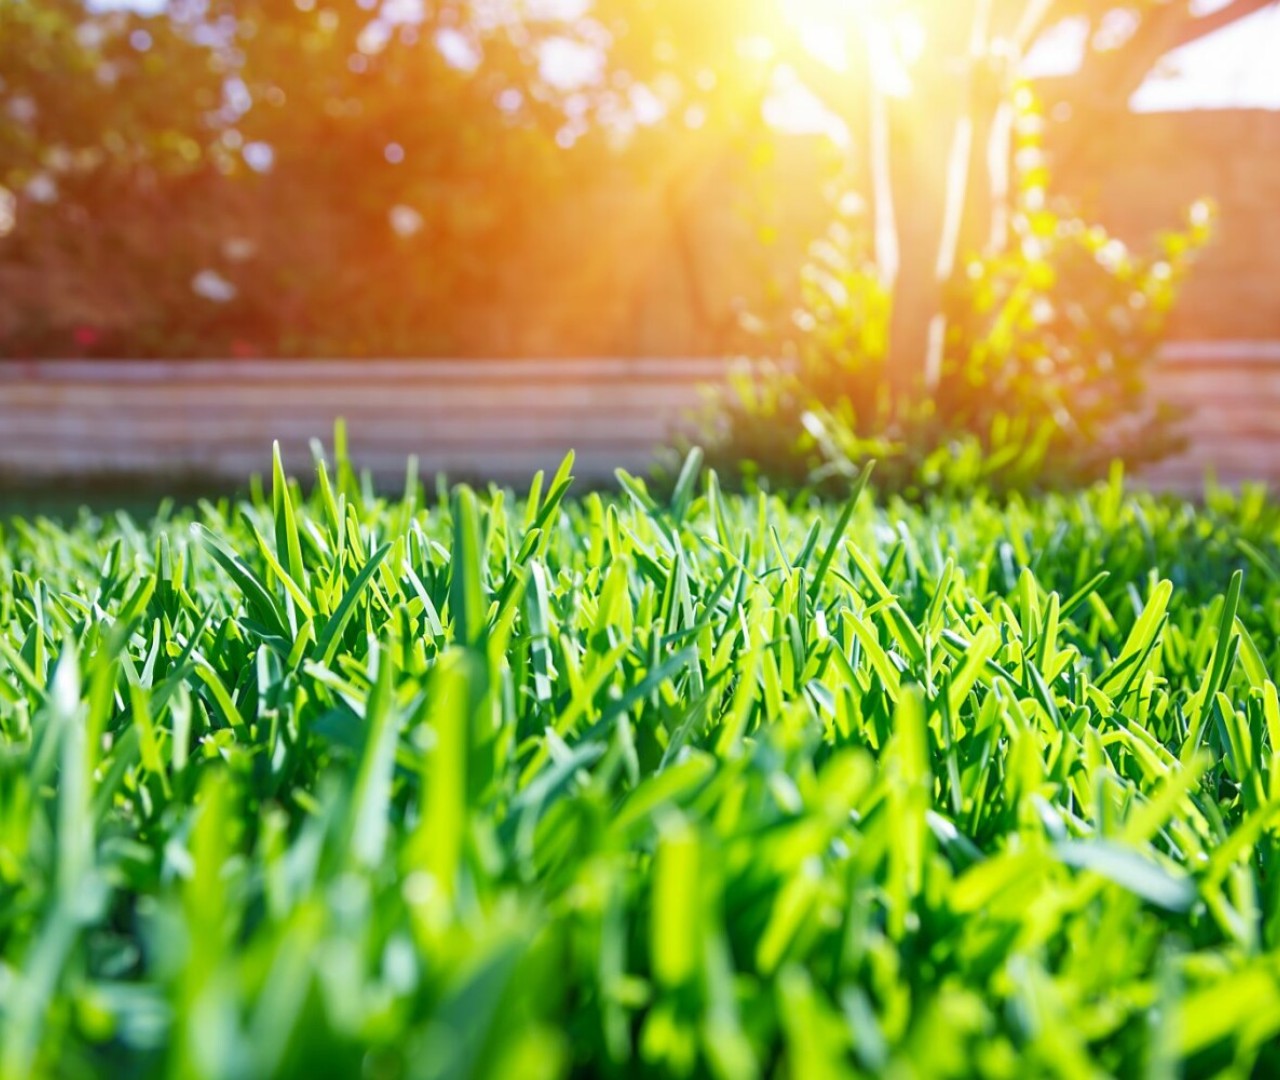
(1238, 67)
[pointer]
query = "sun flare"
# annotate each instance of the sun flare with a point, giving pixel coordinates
(830, 12)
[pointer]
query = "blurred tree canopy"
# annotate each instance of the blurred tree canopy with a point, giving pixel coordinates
(363, 177)
(261, 176)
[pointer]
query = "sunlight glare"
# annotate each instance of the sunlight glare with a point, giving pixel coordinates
(825, 28)
(832, 14)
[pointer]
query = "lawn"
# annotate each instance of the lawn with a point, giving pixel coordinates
(460, 785)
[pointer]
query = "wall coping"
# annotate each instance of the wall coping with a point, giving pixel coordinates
(17, 370)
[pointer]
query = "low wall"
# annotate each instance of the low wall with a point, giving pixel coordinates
(491, 419)
(1232, 390)
(499, 419)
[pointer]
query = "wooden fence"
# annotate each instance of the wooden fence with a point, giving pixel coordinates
(74, 422)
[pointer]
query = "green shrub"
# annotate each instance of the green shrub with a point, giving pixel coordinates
(1044, 376)
(483, 787)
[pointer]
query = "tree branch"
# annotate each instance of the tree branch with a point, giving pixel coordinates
(1217, 20)
(1107, 79)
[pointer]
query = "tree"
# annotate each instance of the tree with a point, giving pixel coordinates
(95, 115)
(938, 145)
(264, 175)
(963, 82)
(352, 177)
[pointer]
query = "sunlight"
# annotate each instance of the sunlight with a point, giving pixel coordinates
(830, 13)
(826, 27)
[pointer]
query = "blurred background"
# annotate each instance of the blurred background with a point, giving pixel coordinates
(485, 231)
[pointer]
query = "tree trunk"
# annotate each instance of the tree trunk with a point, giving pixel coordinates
(923, 134)
(938, 135)
(940, 158)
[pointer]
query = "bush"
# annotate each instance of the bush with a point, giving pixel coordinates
(1045, 369)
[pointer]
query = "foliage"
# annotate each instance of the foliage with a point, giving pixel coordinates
(477, 787)
(1044, 376)
(235, 179)
(395, 177)
(240, 178)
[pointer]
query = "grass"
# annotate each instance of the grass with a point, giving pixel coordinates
(462, 786)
